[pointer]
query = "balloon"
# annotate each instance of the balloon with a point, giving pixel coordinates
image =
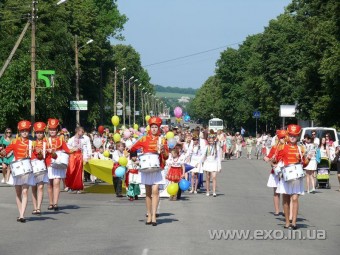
(106, 154)
(169, 135)
(188, 167)
(101, 129)
(172, 189)
(127, 133)
(172, 143)
(178, 120)
(135, 135)
(184, 184)
(123, 127)
(115, 120)
(120, 171)
(135, 126)
(122, 161)
(147, 117)
(142, 129)
(147, 128)
(178, 112)
(131, 129)
(116, 138)
(97, 142)
(186, 118)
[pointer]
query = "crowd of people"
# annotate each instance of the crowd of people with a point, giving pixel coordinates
(156, 155)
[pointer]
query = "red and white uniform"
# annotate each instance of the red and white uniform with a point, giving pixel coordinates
(22, 148)
(56, 144)
(40, 145)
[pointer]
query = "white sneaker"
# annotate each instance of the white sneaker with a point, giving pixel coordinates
(3, 180)
(207, 194)
(214, 194)
(195, 192)
(191, 191)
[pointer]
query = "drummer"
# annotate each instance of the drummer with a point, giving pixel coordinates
(152, 143)
(291, 153)
(39, 153)
(22, 149)
(54, 144)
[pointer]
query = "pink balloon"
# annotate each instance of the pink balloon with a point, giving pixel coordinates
(127, 133)
(131, 129)
(178, 112)
(142, 129)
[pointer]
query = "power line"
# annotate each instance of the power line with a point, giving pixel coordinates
(191, 55)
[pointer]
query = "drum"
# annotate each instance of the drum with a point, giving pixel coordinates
(292, 172)
(61, 162)
(278, 168)
(21, 167)
(149, 162)
(38, 166)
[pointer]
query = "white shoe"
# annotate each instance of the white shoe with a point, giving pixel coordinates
(195, 192)
(207, 194)
(214, 194)
(3, 180)
(191, 191)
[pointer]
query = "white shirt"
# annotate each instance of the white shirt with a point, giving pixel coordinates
(83, 143)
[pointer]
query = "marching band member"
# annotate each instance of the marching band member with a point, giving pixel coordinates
(22, 149)
(212, 163)
(39, 153)
(272, 157)
(80, 144)
(291, 153)
(195, 157)
(55, 144)
(152, 143)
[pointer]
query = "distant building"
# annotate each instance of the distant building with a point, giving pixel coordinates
(184, 99)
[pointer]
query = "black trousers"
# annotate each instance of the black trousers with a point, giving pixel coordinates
(117, 184)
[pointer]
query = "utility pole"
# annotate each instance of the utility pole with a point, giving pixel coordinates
(141, 96)
(130, 103)
(33, 58)
(134, 103)
(124, 103)
(115, 94)
(77, 77)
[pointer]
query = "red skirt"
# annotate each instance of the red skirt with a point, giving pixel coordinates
(174, 174)
(74, 174)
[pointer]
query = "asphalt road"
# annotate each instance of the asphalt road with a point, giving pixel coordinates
(102, 224)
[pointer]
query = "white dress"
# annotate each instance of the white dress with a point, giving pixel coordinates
(311, 152)
(212, 162)
(291, 187)
(54, 173)
(273, 181)
(134, 178)
(27, 179)
(195, 158)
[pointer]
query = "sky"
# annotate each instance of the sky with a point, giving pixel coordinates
(162, 30)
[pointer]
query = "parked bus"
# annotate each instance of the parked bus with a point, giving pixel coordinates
(215, 124)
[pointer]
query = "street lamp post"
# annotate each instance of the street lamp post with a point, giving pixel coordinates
(142, 109)
(76, 49)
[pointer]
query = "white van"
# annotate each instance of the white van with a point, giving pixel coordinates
(321, 132)
(215, 124)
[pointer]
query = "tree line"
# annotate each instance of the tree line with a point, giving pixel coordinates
(296, 60)
(189, 91)
(57, 27)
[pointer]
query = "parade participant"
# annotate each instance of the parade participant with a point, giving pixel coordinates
(312, 165)
(117, 181)
(196, 155)
(249, 146)
(176, 170)
(152, 143)
(22, 149)
(291, 154)
(229, 145)
(39, 153)
(212, 163)
(272, 158)
(238, 145)
(80, 144)
(55, 144)
(5, 161)
(133, 177)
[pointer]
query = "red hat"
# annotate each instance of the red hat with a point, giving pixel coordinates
(281, 133)
(24, 125)
(39, 127)
(293, 129)
(53, 123)
(155, 120)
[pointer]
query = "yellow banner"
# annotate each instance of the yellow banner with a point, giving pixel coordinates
(102, 169)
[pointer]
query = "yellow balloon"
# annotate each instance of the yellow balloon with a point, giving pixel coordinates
(172, 189)
(147, 128)
(169, 135)
(147, 117)
(116, 138)
(122, 161)
(135, 126)
(115, 120)
(106, 154)
(135, 135)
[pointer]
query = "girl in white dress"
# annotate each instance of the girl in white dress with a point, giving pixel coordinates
(195, 157)
(312, 165)
(212, 163)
